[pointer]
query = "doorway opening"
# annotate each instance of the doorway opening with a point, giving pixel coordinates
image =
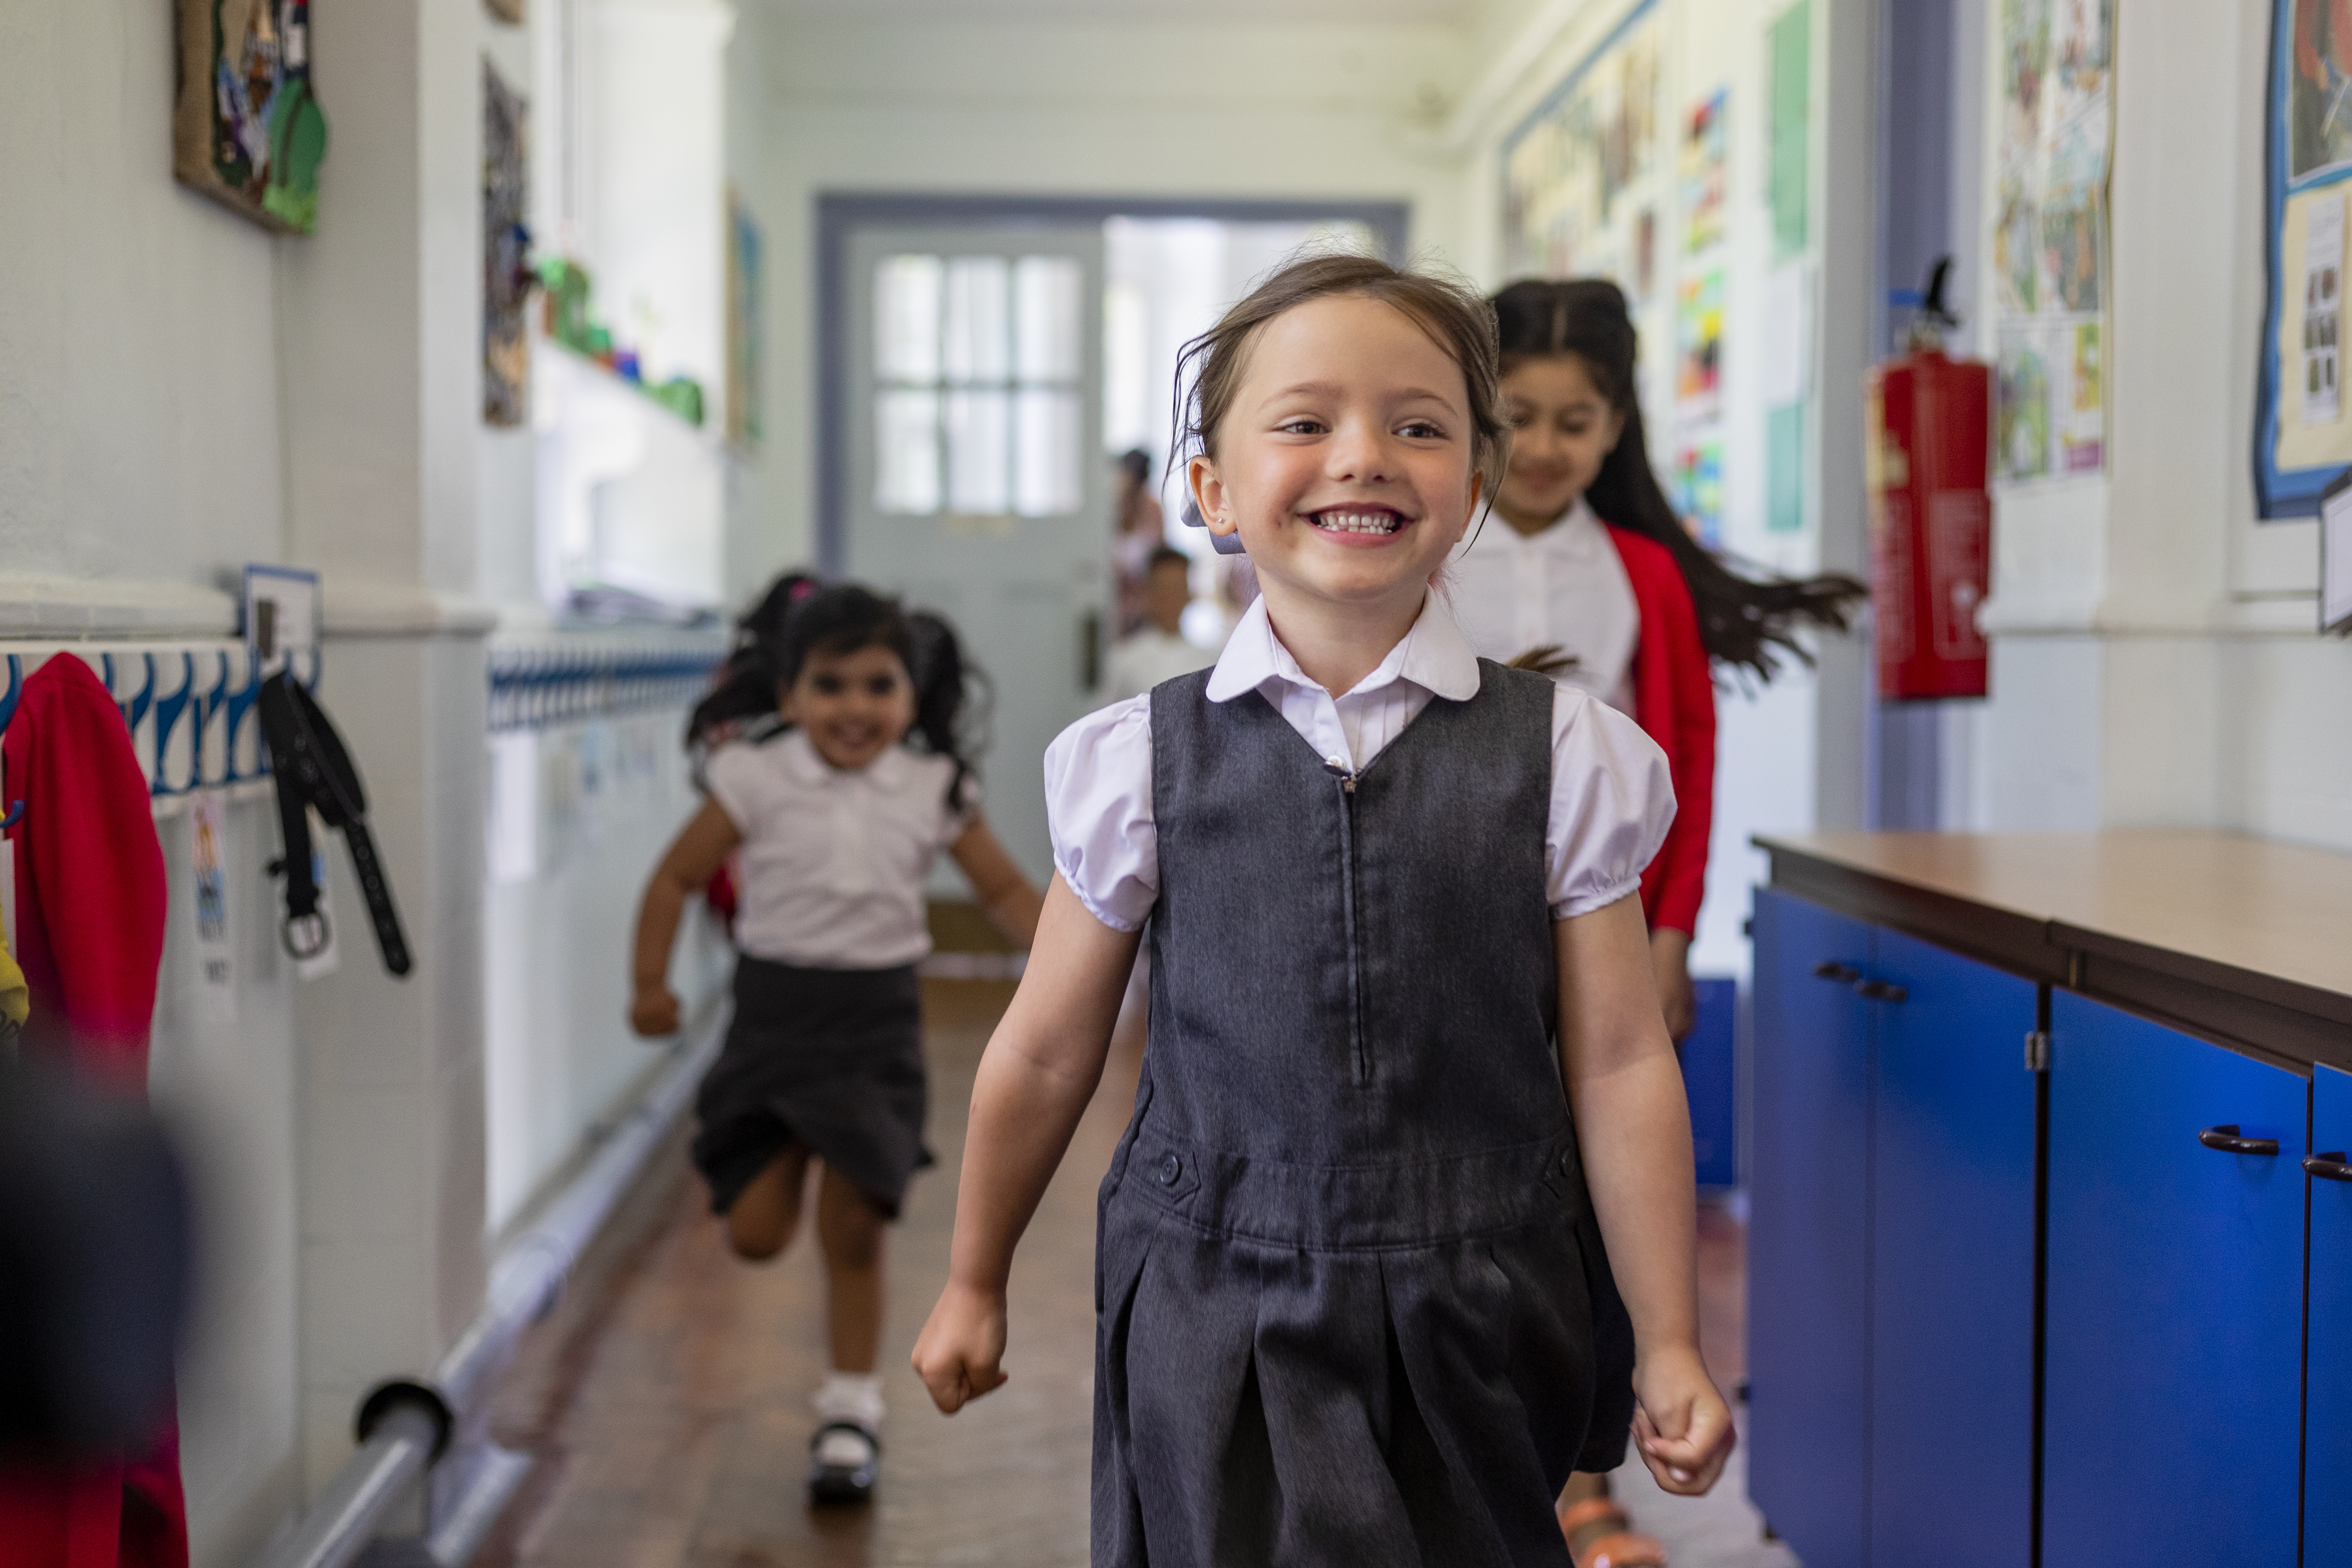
(983, 366)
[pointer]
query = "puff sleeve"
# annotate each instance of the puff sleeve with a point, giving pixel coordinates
(1613, 800)
(1099, 811)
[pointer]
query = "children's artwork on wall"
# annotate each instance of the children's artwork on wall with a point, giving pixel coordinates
(1698, 345)
(2021, 403)
(507, 276)
(743, 286)
(2050, 237)
(1706, 172)
(1582, 175)
(1698, 488)
(2302, 438)
(246, 127)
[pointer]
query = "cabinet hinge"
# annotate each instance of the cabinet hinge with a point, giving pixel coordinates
(2037, 1050)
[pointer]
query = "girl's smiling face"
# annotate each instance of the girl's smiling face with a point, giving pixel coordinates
(1346, 459)
(1562, 429)
(854, 706)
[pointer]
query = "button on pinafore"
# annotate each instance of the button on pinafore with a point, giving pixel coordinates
(1352, 1305)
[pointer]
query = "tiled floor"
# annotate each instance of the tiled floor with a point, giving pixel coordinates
(669, 1397)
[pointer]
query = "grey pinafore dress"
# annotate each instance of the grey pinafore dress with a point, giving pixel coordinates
(1352, 1306)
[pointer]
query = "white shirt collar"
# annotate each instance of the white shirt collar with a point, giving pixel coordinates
(886, 772)
(1572, 532)
(1434, 655)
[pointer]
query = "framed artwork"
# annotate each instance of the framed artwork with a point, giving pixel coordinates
(2302, 438)
(247, 128)
(743, 282)
(506, 252)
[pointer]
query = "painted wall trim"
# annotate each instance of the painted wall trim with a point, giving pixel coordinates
(840, 214)
(76, 607)
(398, 609)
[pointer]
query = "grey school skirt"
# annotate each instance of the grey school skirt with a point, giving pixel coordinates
(829, 1057)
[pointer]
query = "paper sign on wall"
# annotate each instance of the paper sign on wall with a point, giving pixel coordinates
(208, 879)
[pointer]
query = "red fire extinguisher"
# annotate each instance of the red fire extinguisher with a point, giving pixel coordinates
(1930, 514)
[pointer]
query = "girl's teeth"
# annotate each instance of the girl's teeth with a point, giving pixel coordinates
(1358, 521)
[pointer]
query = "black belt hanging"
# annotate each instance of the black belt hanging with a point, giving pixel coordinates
(314, 772)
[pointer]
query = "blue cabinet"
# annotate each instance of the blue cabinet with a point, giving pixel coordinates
(2174, 1355)
(1808, 1235)
(2327, 1416)
(1951, 1261)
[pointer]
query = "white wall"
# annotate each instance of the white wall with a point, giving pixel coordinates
(1097, 104)
(2153, 659)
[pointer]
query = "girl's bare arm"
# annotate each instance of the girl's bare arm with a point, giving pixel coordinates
(699, 850)
(998, 882)
(1633, 1124)
(1041, 1069)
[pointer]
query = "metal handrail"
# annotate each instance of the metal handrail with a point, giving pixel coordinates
(404, 1424)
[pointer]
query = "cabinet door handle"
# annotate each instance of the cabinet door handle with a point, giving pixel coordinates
(2328, 1167)
(2225, 1138)
(1880, 990)
(1835, 972)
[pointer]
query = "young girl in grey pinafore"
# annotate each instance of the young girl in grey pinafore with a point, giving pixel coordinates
(1353, 1304)
(1349, 1219)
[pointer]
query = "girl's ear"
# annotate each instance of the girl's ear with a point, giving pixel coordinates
(784, 703)
(1210, 494)
(1616, 431)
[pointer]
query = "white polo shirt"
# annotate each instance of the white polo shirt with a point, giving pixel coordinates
(834, 862)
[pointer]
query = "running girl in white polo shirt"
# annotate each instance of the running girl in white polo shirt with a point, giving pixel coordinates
(838, 815)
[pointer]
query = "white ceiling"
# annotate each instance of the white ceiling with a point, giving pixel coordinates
(1374, 11)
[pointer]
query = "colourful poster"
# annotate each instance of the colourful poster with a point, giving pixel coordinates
(1698, 488)
(1698, 344)
(1707, 173)
(2050, 237)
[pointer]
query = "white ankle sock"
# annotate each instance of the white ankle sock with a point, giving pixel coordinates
(851, 1397)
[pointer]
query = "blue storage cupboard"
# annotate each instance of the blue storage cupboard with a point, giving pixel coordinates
(2327, 1410)
(2174, 1354)
(2051, 1248)
(1891, 1245)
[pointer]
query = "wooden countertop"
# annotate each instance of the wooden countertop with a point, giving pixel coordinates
(2261, 919)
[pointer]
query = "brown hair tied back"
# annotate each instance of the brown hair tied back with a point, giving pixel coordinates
(1209, 370)
(1741, 620)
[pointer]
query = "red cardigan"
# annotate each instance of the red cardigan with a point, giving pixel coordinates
(1674, 702)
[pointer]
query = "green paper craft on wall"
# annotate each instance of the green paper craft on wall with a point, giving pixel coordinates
(247, 129)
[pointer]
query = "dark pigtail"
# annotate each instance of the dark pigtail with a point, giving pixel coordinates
(948, 723)
(1741, 620)
(744, 690)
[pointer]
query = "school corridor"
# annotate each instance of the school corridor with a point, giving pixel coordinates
(666, 1400)
(1713, 638)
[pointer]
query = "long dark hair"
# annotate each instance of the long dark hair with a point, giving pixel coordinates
(791, 623)
(1741, 620)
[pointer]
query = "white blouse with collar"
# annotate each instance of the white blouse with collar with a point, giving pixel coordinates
(1611, 799)
(1564, 587)
(833, 862)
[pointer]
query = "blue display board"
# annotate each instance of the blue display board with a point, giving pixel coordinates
(2303, 424)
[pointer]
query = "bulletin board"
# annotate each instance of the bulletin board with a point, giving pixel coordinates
(1584, 176)
(2302, 437)
(2055, 125)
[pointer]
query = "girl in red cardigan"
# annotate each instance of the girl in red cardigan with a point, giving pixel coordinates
(1594, 579)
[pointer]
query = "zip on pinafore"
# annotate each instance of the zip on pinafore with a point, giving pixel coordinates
(1347, 778)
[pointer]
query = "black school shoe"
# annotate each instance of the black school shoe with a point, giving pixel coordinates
(831, 1479)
